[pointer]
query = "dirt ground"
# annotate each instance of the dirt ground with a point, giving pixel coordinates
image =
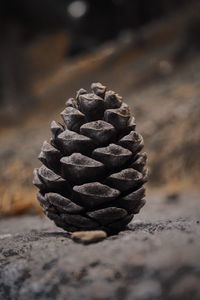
(156, 258)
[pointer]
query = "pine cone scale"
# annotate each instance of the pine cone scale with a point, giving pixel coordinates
(94, 194)
(80, 168)
(108, 215)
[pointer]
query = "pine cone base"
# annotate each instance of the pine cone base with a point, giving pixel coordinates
(93, 173)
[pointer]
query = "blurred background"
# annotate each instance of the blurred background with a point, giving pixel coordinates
(147, 51)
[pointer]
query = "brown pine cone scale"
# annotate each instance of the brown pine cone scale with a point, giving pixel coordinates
(93, 172)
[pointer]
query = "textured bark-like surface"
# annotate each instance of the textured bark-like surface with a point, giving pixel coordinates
(93, 172)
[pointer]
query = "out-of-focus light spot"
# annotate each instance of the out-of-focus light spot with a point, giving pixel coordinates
(77, 9)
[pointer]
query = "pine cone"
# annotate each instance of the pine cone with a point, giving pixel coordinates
(92, 174)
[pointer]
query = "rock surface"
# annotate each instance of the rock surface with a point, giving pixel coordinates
(156, 258)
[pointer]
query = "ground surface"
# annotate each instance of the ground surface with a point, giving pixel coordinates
(157, 258)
